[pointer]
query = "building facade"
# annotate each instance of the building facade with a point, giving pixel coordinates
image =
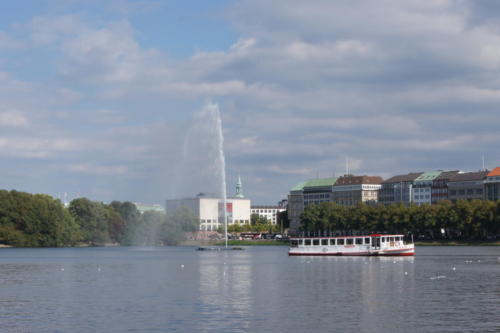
(210, 210)
(306, 193)
(350, 190)
(422, 189)
(269, 212)
(439, 189)
(398, 189)
(467, 186)
(492, 185)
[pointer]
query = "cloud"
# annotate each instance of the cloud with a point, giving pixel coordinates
(36, 148)
(9, 43)
(396, 86)
(100, 170)
(13, 119)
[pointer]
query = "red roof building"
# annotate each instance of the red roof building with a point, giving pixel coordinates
(492, 185)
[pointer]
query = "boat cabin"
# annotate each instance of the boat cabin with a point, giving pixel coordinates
(373, 241)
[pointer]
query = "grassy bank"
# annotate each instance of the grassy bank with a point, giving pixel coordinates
(456, 243)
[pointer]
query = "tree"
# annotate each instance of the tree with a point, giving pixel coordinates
(282, 219)
(92, 217)
(173, 230)
(35, 220)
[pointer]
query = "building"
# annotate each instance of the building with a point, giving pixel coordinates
(313, 191)
(350, 190)
(439, 189)
(210, 209)
(398, 189)
(318, 190)
(492, 185)
(296, 205)
(269, 212)
(422, 188)
(467, 186)
(142, 208)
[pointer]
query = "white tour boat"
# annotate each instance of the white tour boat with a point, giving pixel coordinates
(371, 245)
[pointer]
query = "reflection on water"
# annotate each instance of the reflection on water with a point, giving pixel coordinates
(225, 291)
(256, 290)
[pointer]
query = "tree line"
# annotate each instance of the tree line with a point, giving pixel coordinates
(39, 220)
(258, 224)
(463, 220)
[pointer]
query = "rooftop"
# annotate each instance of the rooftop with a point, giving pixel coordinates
(319, 182)
(298, 187)
(469, 176)
(494, 172)
(350, 180)
(311, 183)
(431, 175)
(447, 174)
(403, 178)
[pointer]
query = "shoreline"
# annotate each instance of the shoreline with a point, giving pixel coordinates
(456, 243)
(272, 242)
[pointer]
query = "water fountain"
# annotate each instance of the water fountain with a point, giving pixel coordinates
(222, 161)
(212, 112)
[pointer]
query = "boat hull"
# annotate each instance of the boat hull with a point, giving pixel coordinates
(325, 254)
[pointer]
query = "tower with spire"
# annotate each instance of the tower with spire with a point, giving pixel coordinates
(239, 188)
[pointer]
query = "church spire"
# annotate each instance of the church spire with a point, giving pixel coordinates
(239, 188)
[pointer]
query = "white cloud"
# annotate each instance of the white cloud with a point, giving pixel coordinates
(38, 148)
(13, 119)
(100, 170)
(394, 85)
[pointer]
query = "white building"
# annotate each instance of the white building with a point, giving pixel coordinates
(210, 209)
(269, 212)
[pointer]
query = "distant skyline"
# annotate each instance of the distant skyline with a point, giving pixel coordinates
(102, 100)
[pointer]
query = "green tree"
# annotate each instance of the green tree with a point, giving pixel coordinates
(35, 220)
(93, 218)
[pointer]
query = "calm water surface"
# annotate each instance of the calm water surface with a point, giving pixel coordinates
(260, 289)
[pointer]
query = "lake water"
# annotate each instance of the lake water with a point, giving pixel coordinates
(260, 289)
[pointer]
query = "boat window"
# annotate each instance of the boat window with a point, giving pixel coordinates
(301, 242)
(324, 242)
(383, 239)
(391, 239)
(294, 243)
(340, 241)
(315, 241)
(332, 241)
(359, 241)
(307, 242)
(367, 240)
(349, 241)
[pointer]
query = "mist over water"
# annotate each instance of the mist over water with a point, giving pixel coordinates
(199, 165)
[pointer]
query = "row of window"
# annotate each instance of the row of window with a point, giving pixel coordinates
(342, 241)
(470, 191)
(317, 196)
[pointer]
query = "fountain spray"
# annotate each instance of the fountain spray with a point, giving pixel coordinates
(222, 161)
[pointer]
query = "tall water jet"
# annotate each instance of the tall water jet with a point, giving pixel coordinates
(222, 165)
(201, 165)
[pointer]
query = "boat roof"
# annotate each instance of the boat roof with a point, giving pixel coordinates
(372, 235)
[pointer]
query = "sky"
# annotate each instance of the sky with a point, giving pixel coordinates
(109, 99)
